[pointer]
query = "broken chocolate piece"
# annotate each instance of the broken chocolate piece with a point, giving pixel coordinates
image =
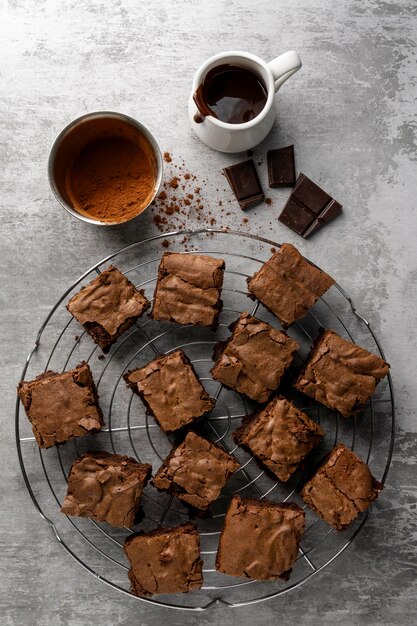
(281, 167)
(244, 181)
(308, 208)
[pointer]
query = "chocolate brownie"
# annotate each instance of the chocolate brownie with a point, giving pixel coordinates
(340, 375)
(288, 285)
(260, 539)
(279, 436)
(165, 560)
(170, 390)
(342, 488)
(195, 471)
(108, 306)
(188, 289)
(254, 358)
(106, 487)
(61, 406)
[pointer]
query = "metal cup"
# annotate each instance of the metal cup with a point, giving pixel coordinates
(82, 131)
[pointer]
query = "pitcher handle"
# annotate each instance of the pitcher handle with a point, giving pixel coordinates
(284, 66)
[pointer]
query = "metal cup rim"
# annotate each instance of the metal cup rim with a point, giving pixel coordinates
(97, 115)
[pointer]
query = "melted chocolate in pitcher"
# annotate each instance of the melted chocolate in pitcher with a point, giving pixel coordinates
(232, 94)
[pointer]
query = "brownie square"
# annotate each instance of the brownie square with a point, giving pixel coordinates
(254, 358)
(106, 487)
(165, 560)
(195, 471)
(61, 406)
(260, 539)
(288, 285)
(188, 289)
(308, 208)
(108, 306)
(279, 436)
(171, 391)
(342, 488)
(281, 167)
(244, 181)
(340, 375)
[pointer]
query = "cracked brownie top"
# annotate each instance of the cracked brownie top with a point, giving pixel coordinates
(340, 374)
(280, 436)
(61, 406)
(254, 359)
(171, 390)
(106, 487)
(288, 285)
(195, 471)
(260, 539)
(108, 306)
(166, 560)
(188, 289)
(341, 489)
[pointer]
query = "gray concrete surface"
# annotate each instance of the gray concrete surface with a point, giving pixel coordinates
(350, 113)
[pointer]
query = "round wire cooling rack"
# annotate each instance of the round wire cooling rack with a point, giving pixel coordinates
(61, 344)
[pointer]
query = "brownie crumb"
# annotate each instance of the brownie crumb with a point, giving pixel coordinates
(166, 243)
(268, 201)
(167, 157)
(273, 250)
(101, 357)
(174, 182)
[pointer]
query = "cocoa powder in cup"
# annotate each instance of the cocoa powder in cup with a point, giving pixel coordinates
(105, 168)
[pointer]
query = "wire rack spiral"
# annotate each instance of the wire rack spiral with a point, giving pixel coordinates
(61, 344)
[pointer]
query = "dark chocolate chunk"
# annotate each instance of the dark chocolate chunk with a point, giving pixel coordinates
(244, 181)
(308, 208)
(281, 167)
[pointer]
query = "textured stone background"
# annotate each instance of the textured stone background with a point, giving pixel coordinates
(350, 113)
